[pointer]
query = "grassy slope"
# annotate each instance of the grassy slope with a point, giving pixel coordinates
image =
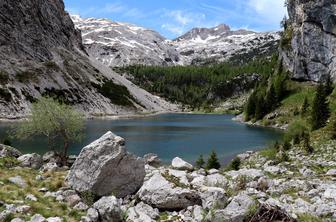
(46, 206)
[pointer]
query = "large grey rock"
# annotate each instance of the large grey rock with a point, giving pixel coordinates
(234, 212)
(162, 194)
(31, 160)
(109, 209)
(8, 151)
(213, 197)
(142, 213)
(104, 167)
(310, 55)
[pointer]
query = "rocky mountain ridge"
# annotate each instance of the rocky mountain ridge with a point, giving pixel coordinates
(122, 44)
(41, 53)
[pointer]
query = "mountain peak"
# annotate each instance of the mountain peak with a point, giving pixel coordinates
(204, 33)
(222, 27)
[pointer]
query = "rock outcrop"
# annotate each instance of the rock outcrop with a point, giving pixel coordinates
(105, 167)
(308, 44)
(41, 54)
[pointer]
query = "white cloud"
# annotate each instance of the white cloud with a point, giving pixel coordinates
(272, 10)
(113, 8)
(176, 30)
(181, 21)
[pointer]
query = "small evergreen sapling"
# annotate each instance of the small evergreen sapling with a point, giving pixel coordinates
(213, 161)
(200, 162)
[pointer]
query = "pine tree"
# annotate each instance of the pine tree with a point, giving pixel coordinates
(213, 161)
(286, 146)
(332, 127)
(304, 107)
(306, 144)
(200, 162)
(250, 107)
(235, 163)
(320, 109)
(271, 99)
(329, 88)
(260, 108)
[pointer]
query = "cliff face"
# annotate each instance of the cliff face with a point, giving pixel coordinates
(41, 54)
(31, 29)
(310, 53)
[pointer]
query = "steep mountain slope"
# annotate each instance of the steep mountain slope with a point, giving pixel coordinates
(41, 53)
(308, 45)
(119, 44)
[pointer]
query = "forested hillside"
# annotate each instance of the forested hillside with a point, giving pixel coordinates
(200, 87)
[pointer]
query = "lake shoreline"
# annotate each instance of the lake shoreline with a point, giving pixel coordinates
(160, 133)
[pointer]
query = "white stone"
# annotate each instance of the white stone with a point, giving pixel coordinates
(179, 164)
(31, 197)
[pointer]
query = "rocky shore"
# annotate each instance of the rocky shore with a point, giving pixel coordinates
(106, 183)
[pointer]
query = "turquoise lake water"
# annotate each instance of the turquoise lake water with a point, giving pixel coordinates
(170, 135)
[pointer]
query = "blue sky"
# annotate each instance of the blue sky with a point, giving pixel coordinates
(174, 17)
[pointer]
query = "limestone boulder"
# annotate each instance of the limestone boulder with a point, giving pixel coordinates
(167, 195)
(104, 167)
(32, 160)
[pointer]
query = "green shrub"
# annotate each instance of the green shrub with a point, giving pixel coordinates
(8, 162)
(51, 66)
(7, 142)
(4, 78)
(26, 76)
(5, 95)
(306, 144)
(88, 197)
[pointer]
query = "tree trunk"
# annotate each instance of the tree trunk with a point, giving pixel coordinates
(65, 148)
